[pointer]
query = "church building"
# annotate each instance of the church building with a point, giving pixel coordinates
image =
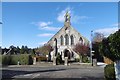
(65, 39)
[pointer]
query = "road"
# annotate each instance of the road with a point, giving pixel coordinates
(54, 72)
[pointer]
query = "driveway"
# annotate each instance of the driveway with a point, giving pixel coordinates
(53, 72)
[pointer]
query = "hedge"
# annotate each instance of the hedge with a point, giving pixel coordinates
(109, 72)
(24, 59)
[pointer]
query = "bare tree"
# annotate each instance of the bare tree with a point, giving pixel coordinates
(97, 38)
(46, 49)
(81, 49)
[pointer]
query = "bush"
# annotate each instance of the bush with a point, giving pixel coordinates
(77, 59)
(5, 60)
(13, 59)
(30, 60)
(24, 59)
(85, 59)
(59, 59)
(109, 72)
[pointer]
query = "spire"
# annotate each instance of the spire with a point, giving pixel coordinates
(67, 18)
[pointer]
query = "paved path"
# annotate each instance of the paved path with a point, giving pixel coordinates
(59, 71)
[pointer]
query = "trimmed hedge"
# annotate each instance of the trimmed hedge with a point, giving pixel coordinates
(24, 59)
(109, 72)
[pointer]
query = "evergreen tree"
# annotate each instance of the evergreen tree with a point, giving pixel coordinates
(12, 49)
(22, 50)
(26, 49)
(32, 52)
(110, 47)
(18, 50)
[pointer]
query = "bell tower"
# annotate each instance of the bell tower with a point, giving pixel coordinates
(67, 19)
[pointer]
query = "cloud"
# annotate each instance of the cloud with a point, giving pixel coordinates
(107, 31)
(84, 17)
(74, 18)
(116, 25)
(51, 28)
(46, 26)
(45, 35)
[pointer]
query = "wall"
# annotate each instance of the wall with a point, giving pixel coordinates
(117, 69)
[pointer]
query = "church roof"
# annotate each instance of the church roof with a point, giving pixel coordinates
(67, 24)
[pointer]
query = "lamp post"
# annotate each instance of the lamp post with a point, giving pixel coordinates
(91, 48)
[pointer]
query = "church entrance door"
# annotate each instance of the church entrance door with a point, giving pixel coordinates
(67, 53)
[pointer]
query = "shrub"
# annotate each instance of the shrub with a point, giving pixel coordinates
(30, 60)
(77, 59)
(85, 59)
(14, 59)
(6, 59)
(24, 59)
(59, 59)
(109, 72)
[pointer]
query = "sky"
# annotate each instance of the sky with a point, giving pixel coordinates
(61, 0)
(34, 23)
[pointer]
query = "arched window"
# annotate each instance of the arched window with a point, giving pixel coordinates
(61, 40)
(66, 39)
(72, 40)
(55, 42)
(81, 40)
